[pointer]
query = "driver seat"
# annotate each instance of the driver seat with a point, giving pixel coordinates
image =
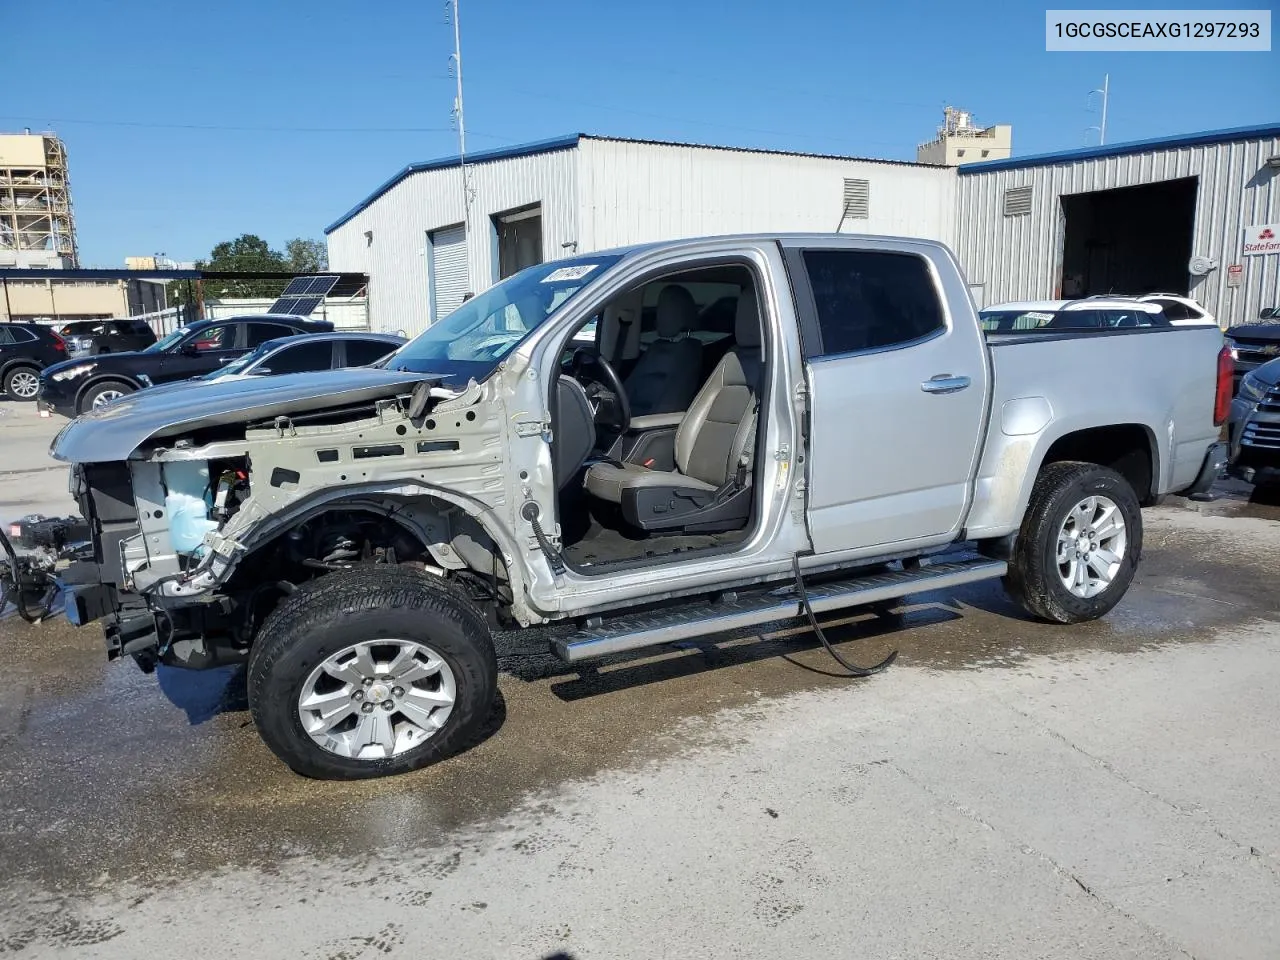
(666, 376)
(710, 489)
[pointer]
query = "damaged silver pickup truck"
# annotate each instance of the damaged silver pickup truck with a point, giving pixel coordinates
(622, 450)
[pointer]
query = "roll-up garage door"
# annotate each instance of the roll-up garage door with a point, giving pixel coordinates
(448, 270)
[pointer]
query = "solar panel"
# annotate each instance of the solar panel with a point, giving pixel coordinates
(304, 294)
(295, 287)
(310, 286)
(298, 306)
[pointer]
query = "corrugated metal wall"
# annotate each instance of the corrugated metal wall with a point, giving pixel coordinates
(395, 258)
(1019, 258)
(637, 192)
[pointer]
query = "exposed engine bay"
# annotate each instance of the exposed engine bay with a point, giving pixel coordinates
(199, 534)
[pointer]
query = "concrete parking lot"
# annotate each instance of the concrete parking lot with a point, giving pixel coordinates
(1007, 789)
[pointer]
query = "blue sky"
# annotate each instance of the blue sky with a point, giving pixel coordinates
(275, 118)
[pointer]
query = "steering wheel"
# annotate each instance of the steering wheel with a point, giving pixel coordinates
(604, 389)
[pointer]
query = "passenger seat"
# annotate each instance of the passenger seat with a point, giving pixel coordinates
(668, 373)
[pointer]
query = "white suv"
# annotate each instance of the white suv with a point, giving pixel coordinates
(1181, 311)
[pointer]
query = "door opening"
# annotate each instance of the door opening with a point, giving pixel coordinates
(1129, 241)
(519, 235)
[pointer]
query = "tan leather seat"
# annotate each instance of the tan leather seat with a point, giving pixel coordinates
(716, 439)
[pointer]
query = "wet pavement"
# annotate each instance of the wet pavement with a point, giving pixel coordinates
(115, 785)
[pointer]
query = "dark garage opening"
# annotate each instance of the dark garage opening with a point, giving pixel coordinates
(1132, 240)
(519, 237)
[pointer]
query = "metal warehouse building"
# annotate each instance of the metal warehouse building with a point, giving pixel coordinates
(580, 193)
(1190, 214)
(1187, 214)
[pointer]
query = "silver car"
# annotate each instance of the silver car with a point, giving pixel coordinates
(303, 353)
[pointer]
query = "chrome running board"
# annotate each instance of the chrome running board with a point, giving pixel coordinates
(734, 611)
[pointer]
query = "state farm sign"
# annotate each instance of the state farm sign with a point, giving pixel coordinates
(1264, 238)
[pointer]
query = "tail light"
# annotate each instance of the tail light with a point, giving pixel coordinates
(58, 343)
(1226, 379)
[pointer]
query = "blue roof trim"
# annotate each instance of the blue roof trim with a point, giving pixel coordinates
(1119, 149)
(442, 163)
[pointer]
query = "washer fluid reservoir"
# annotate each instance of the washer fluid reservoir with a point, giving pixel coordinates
(187, 503)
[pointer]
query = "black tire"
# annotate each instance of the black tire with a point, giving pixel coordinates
(1033, 579)
(368, 603)
(13, 374)
(86, 402)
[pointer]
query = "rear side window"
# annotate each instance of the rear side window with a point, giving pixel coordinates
(867, 300)
(1106, 319)
(260, 333)
(363, 352)
(13, 334)
(302, 358)
(1176, 310)
(1006, 321)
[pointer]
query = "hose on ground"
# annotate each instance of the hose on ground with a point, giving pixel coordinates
(853, 668)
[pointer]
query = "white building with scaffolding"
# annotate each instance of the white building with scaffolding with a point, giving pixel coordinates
(37, 228)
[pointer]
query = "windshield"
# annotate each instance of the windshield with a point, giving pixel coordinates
(167, 341)
(470, 342)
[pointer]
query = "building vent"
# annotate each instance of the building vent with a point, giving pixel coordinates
(1017, 201)
(857, 199)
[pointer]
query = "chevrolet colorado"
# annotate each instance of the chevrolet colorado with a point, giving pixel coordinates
(845, 435)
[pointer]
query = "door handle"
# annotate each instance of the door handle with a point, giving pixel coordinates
(944, 383)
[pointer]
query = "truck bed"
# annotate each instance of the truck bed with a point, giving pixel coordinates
(1159, 380)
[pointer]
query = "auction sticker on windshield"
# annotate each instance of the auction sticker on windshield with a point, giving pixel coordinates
(569, 273)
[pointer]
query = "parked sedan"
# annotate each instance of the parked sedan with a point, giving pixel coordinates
(301, 354)
(74, 386)
(1254, 426)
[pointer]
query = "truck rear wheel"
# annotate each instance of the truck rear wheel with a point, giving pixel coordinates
(1078, 548)
(371, 672)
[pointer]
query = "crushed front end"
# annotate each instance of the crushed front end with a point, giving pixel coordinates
(201, 520)
(134, 531)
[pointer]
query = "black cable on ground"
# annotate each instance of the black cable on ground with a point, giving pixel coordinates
(853, 668)
(18, 600)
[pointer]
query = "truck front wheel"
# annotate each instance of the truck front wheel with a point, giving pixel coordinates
(1079, 544)
(371, 672)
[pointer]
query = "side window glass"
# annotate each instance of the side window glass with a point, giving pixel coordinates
(361, 353)
(260, 333)
(6, 337)
(302, 358)
(867, 300)
(215, 338)
(1174, 310)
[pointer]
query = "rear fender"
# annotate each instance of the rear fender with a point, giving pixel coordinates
(1010, 469)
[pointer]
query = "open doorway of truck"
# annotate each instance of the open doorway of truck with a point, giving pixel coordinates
(1129, 241)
